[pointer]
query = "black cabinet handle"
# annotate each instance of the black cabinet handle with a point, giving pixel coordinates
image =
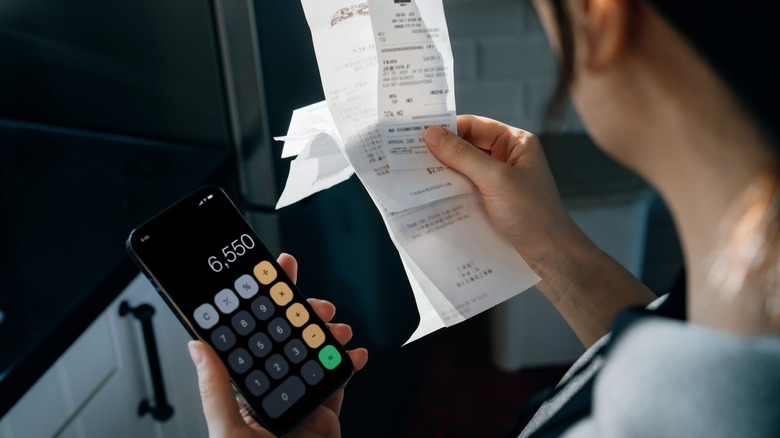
(161, 410)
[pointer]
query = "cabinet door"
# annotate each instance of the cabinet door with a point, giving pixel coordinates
(114, 410)
(95, 388)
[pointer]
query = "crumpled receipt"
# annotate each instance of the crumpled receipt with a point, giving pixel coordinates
(387, 73)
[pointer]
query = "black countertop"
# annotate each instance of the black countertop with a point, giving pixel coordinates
(68, 201)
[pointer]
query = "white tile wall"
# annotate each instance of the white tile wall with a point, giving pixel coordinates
(504, 67)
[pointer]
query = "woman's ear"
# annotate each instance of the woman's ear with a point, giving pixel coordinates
(606, 25)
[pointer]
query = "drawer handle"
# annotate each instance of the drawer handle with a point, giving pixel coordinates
(161, 410)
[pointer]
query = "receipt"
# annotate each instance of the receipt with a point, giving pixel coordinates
(378, 57)
(415, 79)
(347, 58)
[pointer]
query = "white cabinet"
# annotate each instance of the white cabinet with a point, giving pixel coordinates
(95, 388)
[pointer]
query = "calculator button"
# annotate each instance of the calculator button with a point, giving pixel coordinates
(226, 301)
(295, 351)
(313, 336)
(243, 323)
(281, 293)
(283, 397)
(246, 286)
(279, 329)
(240, 360)
(265, 272)
(222, 338)
(257, 383)
(263, 308)
(260, 344)
(206, 316)
(297, 315)
(276, 366)
(312, 372)
(330, 357)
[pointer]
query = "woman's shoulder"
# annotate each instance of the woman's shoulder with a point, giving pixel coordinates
(665, 377)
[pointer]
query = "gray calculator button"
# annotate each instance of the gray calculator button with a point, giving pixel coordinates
(240, 360)
(312, 372)
(206, 316)
(263, 308)
(260, 344)
(276, 366)
(246, 286)
(283, 397)
(257, 383)
(226, 301)
(243, 323)
(295, 351)
(222, 338)
(279, 329)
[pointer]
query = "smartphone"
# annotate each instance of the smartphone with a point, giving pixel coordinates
(228, 290)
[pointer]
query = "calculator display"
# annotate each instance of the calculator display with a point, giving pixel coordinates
(228, 290)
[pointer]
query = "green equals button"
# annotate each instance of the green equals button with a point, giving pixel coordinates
(330, 357)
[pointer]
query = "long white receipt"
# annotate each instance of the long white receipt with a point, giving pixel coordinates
(457, 262)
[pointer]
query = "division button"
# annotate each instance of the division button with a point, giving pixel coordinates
(313, 336)
(312, 372)
(257, 383)
(226, 301)
(206, 316)
(297, 315)
(265, 272)
(222, 338)
(246, 286)
(240, 360)
(283, 397)
(281, 293)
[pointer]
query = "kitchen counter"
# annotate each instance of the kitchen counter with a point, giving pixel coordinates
(68, 202)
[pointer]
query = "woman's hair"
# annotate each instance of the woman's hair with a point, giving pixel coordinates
(740, 39)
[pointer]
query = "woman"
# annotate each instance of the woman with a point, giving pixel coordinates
(658, 89)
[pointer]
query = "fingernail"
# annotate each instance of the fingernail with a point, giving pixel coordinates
(435, 134)
(195, 353)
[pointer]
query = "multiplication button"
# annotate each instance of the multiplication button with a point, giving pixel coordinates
(281, 293)
(284, 396)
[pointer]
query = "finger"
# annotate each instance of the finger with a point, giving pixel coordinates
(219, 401)
(342, 332)
(461, 155)
(290, 266)
(359, 357)
(324, 309)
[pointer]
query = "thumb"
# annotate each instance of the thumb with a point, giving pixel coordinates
(216, 392)
(459, 154)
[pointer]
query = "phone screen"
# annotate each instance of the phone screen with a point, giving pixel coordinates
(228, 290)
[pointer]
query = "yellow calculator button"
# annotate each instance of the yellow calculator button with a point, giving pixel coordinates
(265, 272)
(313, 336)
(281, 293)
(297, 315)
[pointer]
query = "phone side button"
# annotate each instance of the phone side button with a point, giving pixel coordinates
(283, 397)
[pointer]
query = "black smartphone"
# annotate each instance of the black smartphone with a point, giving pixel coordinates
(228, 290)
